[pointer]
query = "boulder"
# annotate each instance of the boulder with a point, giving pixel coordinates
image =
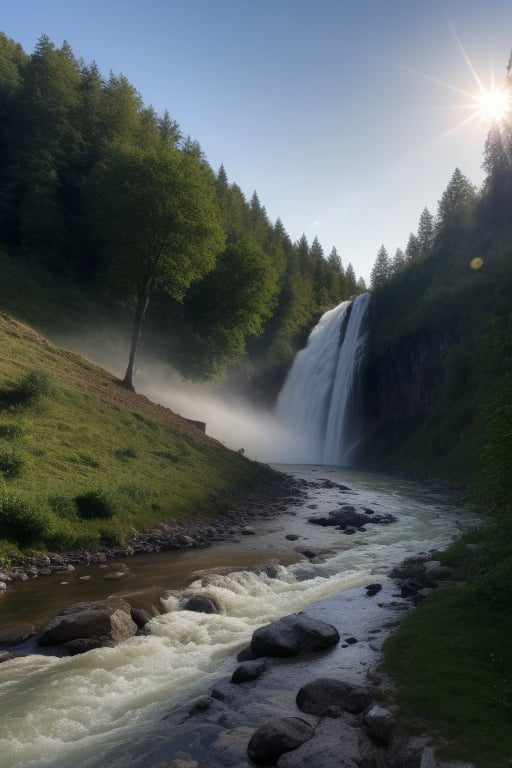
(107, 621)
(248, 671)
(275, 737)
(314, 697)
(293, 635)
(202, 604)
(335, 744)
(349, 516)
(379, 722)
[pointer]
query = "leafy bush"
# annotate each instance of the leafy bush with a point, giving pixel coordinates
(109, 537)
(23, 520)
(95, 505)
(126, 453)
(34, 385)
(10, 431)
(11, 464)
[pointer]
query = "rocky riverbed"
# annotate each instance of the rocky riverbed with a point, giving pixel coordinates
(214, 729)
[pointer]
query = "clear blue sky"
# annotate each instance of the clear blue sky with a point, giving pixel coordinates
(334, 111)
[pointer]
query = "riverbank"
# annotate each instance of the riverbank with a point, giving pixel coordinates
(280, 492)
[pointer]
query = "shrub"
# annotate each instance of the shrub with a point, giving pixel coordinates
(26, 392)
(11, 464)
(126, 453)
(10, 431)
(110, 537)
(23, 520)
(95, 505)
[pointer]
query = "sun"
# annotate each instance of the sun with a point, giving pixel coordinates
(494, 104)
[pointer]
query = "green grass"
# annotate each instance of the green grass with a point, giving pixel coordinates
(452, 664)
(82, 436)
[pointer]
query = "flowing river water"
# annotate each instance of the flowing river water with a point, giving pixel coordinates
(72, 711)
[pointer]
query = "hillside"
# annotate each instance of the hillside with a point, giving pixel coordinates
(85, 463)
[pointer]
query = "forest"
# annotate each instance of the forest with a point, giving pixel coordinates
(101, 193)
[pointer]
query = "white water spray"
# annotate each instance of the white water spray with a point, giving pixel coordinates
(318, 402)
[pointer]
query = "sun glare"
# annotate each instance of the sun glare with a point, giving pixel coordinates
(494, 104)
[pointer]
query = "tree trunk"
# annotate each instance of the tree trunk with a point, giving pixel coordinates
(138, 320)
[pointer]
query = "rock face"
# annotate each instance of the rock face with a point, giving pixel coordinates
(293, 635)
(315, 697)
(105, 622)
(275, 737)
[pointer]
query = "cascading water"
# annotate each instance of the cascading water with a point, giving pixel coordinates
(318, 402)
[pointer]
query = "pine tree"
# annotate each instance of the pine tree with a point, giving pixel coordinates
(426, 233)
(381, 269)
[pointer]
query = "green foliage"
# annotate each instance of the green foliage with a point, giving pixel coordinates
(453, 668)
(11, 464)
(32, 387)
(23, 521)
(96, 504)
(10, 431)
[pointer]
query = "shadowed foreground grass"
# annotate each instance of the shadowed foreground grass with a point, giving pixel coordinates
(452, 662)
(85, 463)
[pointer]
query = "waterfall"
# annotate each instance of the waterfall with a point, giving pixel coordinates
(319, 400)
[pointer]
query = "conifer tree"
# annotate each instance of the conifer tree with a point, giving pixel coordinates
(381, 269)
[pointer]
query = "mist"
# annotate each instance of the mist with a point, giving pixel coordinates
(230, 417)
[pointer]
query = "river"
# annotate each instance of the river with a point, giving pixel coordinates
(73, 711)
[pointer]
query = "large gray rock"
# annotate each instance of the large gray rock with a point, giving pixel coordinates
(293, 635)
(316, 696)
(275, 737)
(335, 744)
(380, 723)
(106, 621)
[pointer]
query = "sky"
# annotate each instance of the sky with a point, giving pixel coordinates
(347, 117)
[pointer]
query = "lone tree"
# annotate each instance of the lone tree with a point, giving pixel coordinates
(154, 209)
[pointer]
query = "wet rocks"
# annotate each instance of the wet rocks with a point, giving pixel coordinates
(338, 743)
(15, 634)
(293, 635)
(380, 723)
(349, 518)
(248, 671)
(202, 604)
(316, 696)
(94, 624)
(373, 589)
(276, 737)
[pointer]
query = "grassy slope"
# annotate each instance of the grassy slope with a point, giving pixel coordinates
(451, 662)
(90, 434)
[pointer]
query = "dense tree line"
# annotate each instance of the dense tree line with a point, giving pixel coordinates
(101, 191)
(456, 273)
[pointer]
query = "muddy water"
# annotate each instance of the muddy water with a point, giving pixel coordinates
(72, 711)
